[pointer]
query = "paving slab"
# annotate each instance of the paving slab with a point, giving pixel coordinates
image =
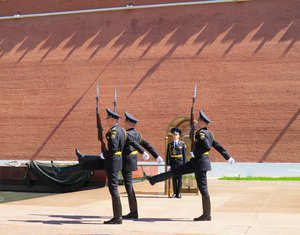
(238, 207)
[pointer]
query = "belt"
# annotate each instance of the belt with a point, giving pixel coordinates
(119, 153)
(134, 152)
(176, 155)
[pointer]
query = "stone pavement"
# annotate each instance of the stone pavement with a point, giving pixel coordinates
(238, 207)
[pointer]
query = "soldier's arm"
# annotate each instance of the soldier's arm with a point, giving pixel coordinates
(216, 145)
(149, 148)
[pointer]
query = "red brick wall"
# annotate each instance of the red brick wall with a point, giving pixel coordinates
(244, 57)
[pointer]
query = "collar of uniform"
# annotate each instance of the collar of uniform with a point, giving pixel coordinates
(130, 129)
(114, 126)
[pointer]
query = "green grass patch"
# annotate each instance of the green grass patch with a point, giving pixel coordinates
(262, 178)
(10, 196)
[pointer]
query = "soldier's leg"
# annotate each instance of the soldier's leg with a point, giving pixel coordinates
(112, 178)
(175, 186)
(127, 176)
(179, 186)
(95, 164)
(186, 168)
(201, 178)
(98, 164)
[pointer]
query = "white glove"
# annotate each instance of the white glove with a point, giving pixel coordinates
(192, 154)
(159, 160)
(168, 168)
(231, 160)
(101, 156)
(145, 156)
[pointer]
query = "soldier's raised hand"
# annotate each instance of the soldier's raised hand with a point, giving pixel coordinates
(231, 160)
(102, 156)
(159, 160)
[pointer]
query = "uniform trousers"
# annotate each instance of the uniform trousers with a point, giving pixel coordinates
(201, 177)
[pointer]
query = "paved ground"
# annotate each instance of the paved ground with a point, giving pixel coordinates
(238, 207)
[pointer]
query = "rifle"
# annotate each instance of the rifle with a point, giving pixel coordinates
(192, 120)
(115, 101)
(99, 125)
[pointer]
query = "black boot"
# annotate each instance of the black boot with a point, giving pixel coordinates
(131, 215)
(79, 155)
(133, 207)
(159, 178)
(117, 210)
(84, 158)
(206, 210)
(67, 170)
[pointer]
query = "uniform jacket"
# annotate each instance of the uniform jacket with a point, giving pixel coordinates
(204, 140)
(129, 152)
(176, 155)
(116, 137)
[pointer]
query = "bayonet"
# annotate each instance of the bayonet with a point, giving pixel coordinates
(115, 100)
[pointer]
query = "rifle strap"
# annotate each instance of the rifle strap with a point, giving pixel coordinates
(125, 133)
(141, 137)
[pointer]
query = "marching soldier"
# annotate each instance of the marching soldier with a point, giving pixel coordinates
(199, 164)
(129, 156)
(110, 160)
(116, 138)
(176, 156)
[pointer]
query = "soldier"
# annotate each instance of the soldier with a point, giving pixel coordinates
(129, 156)
(110, 160)
(199, 164)
(116, 138)
(176, 156)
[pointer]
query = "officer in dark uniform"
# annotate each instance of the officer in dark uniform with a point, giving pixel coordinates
(199, 164)
(116, 138)
(176, 156)
(130, 161)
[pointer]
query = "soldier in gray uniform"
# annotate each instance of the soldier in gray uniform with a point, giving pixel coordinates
(199, 164)
(176, 156)
(129, 156)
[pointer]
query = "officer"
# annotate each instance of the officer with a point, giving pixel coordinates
(199, 164)
(116, 138)
(176, 156)
(129, 156)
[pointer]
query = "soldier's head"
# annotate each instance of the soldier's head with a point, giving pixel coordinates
(130, 121)
(203, 120)
(176, 132)
(112, 117)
